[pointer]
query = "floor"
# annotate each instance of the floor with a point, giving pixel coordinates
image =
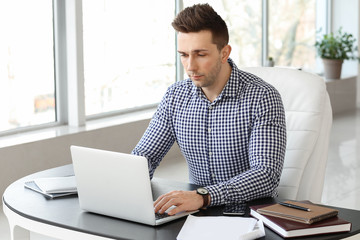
(342, 180)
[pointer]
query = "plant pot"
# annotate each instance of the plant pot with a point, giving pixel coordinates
(332, 68)
(269, 63)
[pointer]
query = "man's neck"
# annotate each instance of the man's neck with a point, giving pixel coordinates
(214, 91)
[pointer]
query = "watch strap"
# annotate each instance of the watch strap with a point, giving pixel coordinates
(206, 200)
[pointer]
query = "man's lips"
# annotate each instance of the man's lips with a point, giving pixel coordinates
(196, 77)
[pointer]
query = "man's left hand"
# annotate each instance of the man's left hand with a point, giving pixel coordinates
(183, 200)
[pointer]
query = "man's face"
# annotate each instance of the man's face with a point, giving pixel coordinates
(200, 57)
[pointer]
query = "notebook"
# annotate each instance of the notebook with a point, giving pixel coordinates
(316, 213)
(115, 184)
(52, 185)
(288, 228)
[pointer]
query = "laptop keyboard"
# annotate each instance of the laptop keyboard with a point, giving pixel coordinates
(161, 215)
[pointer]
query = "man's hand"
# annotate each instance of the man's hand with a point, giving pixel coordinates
(183, 200)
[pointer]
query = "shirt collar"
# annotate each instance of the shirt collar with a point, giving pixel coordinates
(233, 85)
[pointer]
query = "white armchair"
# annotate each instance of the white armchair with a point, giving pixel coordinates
(308, 122)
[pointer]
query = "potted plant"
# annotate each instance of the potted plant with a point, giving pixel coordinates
(269, 62)
(334, 49)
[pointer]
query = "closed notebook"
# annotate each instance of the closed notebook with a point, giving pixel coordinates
(32, 185)
(288, 228)
(57, 184)
(316, 213)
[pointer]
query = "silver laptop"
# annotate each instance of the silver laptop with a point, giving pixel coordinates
(116, 184)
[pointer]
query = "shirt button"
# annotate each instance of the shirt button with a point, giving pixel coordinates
(210, 154)
(213, 175)
(209, 130)
(210, 107)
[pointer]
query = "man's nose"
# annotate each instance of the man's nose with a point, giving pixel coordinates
(191, 65)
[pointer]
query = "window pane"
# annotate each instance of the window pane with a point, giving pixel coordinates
(129, 53)
(26, 63)
(243, 18)
(292, 33)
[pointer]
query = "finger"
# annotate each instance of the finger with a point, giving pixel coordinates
(169, 203)
(159, 205)
(163, 204)
(163, 199)
(158, 200)
(177, 209)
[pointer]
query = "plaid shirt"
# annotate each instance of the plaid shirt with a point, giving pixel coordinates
(234, 146)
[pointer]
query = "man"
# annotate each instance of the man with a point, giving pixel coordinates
(229, 124)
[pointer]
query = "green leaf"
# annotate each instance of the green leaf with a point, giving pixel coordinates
(337, 46)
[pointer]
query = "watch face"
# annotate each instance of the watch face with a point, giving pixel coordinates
(202, 191)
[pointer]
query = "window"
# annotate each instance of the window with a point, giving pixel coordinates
(26, 64)
(243, 18)
(290, 36)
(292, 33)
(129, 53)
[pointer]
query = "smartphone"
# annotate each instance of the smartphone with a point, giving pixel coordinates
(235, 209)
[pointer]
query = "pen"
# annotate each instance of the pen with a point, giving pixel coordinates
(294, 206)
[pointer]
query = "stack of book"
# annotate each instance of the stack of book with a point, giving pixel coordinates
(295, 219)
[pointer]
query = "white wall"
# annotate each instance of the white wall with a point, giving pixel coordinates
(24, 159)
(346, 14)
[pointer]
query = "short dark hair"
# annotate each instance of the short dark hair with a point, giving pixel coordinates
(202, 17)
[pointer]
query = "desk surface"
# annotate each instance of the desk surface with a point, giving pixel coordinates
(65, 212)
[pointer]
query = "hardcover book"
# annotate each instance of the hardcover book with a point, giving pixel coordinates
(288, 228)
(316, 213)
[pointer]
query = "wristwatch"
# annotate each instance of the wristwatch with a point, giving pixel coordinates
(205, 194)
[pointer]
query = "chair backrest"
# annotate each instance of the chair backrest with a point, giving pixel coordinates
(308, 122)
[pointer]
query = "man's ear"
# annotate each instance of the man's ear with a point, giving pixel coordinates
(225, 53)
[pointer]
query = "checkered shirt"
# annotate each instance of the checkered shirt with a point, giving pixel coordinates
(234, 146)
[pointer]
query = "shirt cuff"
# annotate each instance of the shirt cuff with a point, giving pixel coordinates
(217, 193)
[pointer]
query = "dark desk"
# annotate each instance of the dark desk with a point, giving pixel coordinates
(63, 218)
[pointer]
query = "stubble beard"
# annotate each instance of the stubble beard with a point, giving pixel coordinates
(208, 79)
